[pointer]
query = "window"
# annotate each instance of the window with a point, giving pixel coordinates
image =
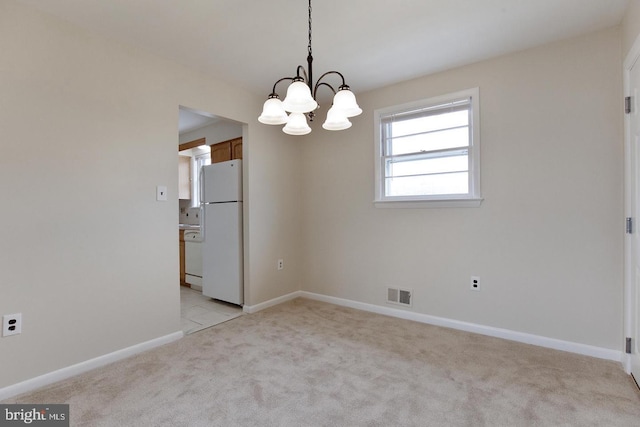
(197, 162)
(428, 152)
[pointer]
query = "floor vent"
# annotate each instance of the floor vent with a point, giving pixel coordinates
(399, 296)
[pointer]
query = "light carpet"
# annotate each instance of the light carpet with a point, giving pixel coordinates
(307, 363)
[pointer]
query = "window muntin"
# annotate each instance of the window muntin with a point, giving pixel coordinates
(429, 150)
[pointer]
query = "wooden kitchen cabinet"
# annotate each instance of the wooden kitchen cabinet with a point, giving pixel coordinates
(183, 269)
(226, 150)
(221, 152)
(236, 148)
(184, 177)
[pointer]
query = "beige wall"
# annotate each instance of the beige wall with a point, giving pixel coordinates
(88, 129)
(630, 26)
(214, 133)
(278, 175)
(547, 240)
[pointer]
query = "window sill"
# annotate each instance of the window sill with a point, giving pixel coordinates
(427, 204)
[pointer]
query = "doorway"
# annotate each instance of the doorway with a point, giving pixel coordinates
(200, 135)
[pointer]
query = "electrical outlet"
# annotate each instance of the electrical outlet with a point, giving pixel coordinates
(11, 324)
(280, 264)
(475, 283)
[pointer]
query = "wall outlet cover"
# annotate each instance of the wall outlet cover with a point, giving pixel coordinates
(11, 324)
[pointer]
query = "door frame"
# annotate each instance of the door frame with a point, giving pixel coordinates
(629, 175)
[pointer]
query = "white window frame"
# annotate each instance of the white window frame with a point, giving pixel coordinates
(472, 198)
(196, 163)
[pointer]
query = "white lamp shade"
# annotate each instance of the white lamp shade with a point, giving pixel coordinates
(297, 125)
(273, 113)
(345, 101)
(299, 99)
(336, 120)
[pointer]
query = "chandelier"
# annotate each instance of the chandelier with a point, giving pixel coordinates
(300, 103)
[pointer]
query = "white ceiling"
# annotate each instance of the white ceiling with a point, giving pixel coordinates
(191, 120)
(372, 42)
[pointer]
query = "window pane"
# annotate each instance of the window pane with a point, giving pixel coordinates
(430, 141)
(429, 150)
(453, 183)
(199, 161)
(429, 123)
(457, 163)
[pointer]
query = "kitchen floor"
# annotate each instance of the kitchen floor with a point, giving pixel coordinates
(198, 312)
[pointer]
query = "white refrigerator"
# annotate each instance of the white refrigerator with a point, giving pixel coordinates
(221, 231)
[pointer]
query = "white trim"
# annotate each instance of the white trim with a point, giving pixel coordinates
(79, 368)
(629, 62)
(572, 347)
(87, 365)
(421, 204)
(250, 309)
(633, 55)
(474, 164)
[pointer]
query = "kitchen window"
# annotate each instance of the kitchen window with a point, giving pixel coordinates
(198, 161)
(428, 152)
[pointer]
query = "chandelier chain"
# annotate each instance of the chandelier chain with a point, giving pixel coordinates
(309, 47)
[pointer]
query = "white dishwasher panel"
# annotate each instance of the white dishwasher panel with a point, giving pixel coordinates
(193, 258)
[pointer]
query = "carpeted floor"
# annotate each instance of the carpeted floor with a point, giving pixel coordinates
(307, 363)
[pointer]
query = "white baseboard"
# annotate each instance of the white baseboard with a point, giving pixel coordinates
(87, 365)
(284, 298)
(194, 281)
(626, 363)
(572, 347)
(61, 374)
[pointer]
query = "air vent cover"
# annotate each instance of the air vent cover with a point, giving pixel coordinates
(399, 296)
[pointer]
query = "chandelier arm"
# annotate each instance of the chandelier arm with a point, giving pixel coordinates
(304, 73)
(318, 83)
(315, 90)
(273, 92)
(332, 72)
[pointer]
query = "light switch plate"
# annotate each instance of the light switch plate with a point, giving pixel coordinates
(161, 193)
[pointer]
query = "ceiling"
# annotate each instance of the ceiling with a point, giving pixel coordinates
(374, 43)
(190, 120)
